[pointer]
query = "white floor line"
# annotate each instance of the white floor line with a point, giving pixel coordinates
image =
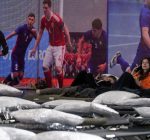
(119, 35)
(126, 44)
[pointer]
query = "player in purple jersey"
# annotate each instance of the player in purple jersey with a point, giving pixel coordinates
(144, 45)
(97, 37)
(3, 43)
(25, 34)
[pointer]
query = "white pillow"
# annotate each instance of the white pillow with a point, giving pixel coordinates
(46, 116)
(135, 102)
(4, 135)
(53, 104)
(113, 97)
(18, 134)
(65, 135)
(87, 108)
(6, 90)
(16, 103)
(143, 111)
(103, 110)
(75, 107)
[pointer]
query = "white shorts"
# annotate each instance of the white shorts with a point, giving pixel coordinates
(54, 55)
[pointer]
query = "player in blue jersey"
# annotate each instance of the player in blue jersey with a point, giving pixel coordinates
(25, 33)
(3, 43)
(144, 44)
(97, 37)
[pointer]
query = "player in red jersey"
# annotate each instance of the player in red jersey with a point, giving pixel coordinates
(58, 33)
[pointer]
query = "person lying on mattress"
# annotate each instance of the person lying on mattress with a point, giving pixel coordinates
(138, 79)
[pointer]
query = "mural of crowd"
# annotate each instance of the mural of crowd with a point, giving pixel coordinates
(77, 59)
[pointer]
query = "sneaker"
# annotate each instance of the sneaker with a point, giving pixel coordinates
(113, 61)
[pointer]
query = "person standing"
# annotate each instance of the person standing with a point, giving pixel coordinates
(57, 31)
(97, 37)
(25, 33)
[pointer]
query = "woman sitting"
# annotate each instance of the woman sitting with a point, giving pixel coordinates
(138, 79)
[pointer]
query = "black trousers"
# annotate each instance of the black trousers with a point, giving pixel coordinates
(84, 78)
(126, 80)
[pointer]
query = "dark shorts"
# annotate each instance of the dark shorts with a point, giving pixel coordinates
(17, 63)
